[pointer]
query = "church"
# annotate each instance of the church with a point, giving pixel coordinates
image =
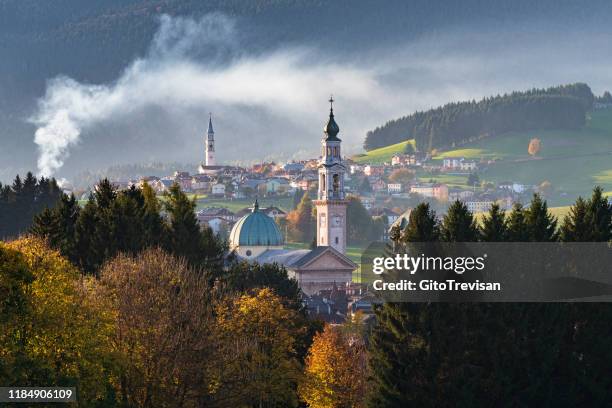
(257, 238)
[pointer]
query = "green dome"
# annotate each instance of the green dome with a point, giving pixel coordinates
(256, 229)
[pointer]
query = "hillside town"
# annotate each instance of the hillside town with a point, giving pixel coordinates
(387, 190)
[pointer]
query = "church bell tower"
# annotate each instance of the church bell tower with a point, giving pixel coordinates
(331, 203)
(210, 144)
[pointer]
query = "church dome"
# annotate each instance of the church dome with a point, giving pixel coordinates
(255, 229)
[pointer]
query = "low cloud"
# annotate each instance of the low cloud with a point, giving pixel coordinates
(274, 104)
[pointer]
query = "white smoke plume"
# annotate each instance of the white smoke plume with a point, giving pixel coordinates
(283, 92)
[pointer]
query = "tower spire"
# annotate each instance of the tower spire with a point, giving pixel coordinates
(331, 129)
(210, 126)
(210, 143)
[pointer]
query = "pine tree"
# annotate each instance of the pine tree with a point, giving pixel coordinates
(44, 224)
(458, 224)
(422, 225)
(541, 224)
(516, 225)
(89, 256)
(493, 227)
(599, 215)
(154, 226)
(185, 237)
(576, 227)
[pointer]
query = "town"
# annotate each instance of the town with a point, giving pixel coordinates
(228, 195)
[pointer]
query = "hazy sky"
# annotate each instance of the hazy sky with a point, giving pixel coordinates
(273, 104)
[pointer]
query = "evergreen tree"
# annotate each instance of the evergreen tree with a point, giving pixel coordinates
(44, 224)
(183, 226)
(541, 224)
(154, 227)
(422, 225)
(458, 224)
(90, 257)
(493, 227)
(599, 215)
(576, 227)
(516, 225)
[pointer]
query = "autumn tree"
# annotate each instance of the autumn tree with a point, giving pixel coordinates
(53, 333)
(535, 145)
(164, 328)
(301, 221)
(336, 370)
(256, 364)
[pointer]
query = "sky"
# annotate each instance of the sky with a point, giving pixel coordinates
(273, 104)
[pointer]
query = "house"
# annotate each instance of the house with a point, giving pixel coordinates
(293, 167)
(274, 212)
(468, 166)
(200, 182)
(208, 213)
(459, 195)
(391, 215)
(277, 186)
(455, 163)
(394, 188)
(404, 160)
(479, 206)
(218, 190)
(356, 169)
(431, 190)
(372, 170)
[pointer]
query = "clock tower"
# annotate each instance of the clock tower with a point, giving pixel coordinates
(331, 203)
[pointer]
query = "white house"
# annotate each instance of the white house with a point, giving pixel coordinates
(394, 188)
(218, 189)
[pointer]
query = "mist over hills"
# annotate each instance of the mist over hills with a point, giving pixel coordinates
(382, 60)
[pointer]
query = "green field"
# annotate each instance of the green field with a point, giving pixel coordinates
(572, 161)
(384, 154)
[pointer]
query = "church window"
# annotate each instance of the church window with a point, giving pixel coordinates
(248, 252)
(322, 187)
(337, 241)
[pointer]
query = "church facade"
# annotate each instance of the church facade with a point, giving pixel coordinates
(256, 237)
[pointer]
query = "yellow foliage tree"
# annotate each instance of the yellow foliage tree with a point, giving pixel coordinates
(535, 145)
(164, 328)
(62, 331)
(335, 374)
(257, 363)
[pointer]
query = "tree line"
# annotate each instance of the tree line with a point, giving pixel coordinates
(22, 200)
(561, 107)
(495, 354)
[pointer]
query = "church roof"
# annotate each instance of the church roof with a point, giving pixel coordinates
(298, 258)
(255, 229)
(210, 126)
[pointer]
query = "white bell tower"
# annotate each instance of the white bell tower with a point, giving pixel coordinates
(331, 203)
(210, 144)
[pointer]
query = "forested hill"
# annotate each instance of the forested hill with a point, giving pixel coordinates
(561, 107)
